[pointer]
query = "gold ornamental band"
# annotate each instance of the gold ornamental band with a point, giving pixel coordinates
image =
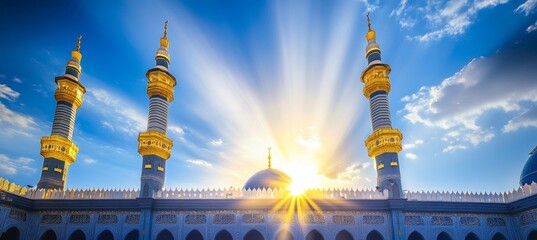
(59, 147)
(154, 143)
(70, 92)
(375, 79)
(384, 140)
(160, 83)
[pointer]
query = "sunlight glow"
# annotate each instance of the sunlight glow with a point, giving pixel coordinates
(304, 177)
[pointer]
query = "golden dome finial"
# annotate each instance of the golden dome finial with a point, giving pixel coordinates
(269, 158)
(165, 29)
(370, 33)
(163, 40)
(78, 43)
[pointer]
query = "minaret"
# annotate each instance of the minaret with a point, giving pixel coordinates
(58, 149)
(384, 143)
(153, 144)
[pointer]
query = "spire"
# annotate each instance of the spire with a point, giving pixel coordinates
(164, 40)
(75, 54)
(269, 158)
(370, 33)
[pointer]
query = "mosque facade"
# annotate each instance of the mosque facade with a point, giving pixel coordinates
(263, 209)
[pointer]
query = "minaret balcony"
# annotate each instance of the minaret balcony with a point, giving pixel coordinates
(384, 140)
(154, 143)
(70, 92)
(59, 147)
(375, 79)
(160, 83)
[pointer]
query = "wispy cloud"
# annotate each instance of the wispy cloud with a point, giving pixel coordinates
(527, 7)
(12, 166)
(456, 105)
(7, 93)
(443, 19)
(217, 142)
(199, 162)
(16, 119)
(89, 161)
(532, 27)
(349, 173)
(411, 156)
(17, 80)
(527, 119)
(413, 145)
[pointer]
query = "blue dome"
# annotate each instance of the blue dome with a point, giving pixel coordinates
(529, 172)
(268, 178)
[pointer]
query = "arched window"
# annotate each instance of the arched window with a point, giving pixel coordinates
(165, 235)
(77, 235)
(11, 234)
(253, 235)
(223, 235)
(284, 235)
(415, 236)
(471, 236)
(314, 235)
(344, 235)
(374, 235)
(194, 235)
(49, 235)
(498, 236)
(106, 235)
(443, 236)
(532, 235)
(133, 235)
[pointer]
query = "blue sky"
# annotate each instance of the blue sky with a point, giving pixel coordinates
(253, 74)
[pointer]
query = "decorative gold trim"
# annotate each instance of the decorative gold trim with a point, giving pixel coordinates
(384, 140)
(154, 143)
(147, 166)
(393, 164)
(45, 169)
(58, 170)
(159, 168)
(160, 83)
(376, 79)
(380, 166)
(59, 147)
(70, 92)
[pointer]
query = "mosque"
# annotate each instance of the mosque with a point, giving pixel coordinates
(264, 209)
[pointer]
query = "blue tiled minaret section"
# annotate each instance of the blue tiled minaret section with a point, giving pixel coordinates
(154, 145)
(57, 149)
(385, 142)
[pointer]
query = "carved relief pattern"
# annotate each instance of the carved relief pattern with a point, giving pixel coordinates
(166, 219)
(107, 219)
(314, 218)
(528, 218)
(283, 218)
(253, 218)
(79, 219)
(224, 219)
(374, 219)
(442, 221)
(17, 215)
(51, 219)
(132, 219)
(343, 219)
(196, 219)
(414, 220)
(470, 221)
(495, 222)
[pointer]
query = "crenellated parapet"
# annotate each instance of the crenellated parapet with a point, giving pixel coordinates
(161, 83)
(154, 143)
(376, 78)
(384, 140)
(69, 91)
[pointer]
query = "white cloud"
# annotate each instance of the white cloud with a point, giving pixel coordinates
(217, 142)
(199, 162)
(453, 148)
(532, 27)
(15, 119)
(7, 93)
(176, 129)
(89, 161)
(413, 145)
(411, 156)
(17, 80)
(347, 173)
(527, 7)
(308, 138)
(448, 18)
(458, 102)
(527, 119)
(11, 166)
(118, 114)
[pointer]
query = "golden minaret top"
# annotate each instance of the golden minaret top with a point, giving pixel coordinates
(164, 40)
(76, 53)
(370, 33)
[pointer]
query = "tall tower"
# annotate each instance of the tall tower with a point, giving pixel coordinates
(58, 149)
(384, 143)
(153, 144)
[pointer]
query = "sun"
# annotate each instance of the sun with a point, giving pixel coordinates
(304, 178)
